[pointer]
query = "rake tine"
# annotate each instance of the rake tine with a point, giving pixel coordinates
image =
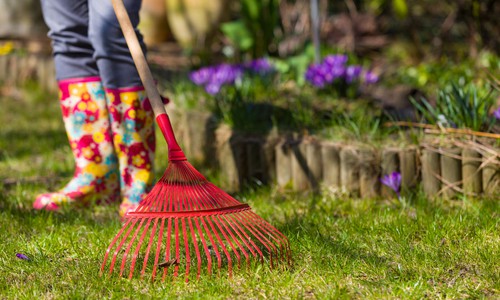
(209, 196)
(236, 241)
(200, 233)
(186, 245)
(245, 238)
(257, 234)
(127, 250)
(113, 242)
(138, 248)
(120, 246)
(205, 247)
(171, 199)
(190, 207)
(198, 192)
(197, 251)
(261, 224)
(279, 234)
(223, 247)
(176, 206)
(177, 258)
(167, 249)
(158, 249)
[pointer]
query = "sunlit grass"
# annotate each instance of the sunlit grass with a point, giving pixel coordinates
(343, 248)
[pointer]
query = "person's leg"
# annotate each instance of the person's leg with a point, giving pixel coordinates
(111, 53)
(132, 119)
(68, 30)
(83, 105)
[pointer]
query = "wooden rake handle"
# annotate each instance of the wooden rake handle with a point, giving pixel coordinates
(174, 151)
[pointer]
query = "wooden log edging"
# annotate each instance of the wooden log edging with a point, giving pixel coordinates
(389, 164)
(349, 170)
(17, 69)
(451, 171)
(369, 173)
(409, 167)
(431, 172)
(471, 171)
(307, 164)
(491, 173)
(283, 166)
(330, 155)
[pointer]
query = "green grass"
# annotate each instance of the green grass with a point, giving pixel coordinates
(342, 248)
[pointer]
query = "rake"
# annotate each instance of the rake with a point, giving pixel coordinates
(186, 222)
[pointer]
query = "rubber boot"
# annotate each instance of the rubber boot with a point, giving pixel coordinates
(132, 125)
(86, 119)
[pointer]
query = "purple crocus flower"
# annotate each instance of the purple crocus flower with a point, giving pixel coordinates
(338, 71)
(214, 77)
(226, 74)
(201, 76)
(352, 73)
(496, 113)
(260, 66)
(370, 77)
(393, 181)
(22, 256)
(315, 75)
(212, 88)
(335, 60)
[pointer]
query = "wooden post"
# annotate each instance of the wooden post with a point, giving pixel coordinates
(45, 68)
(269, 157)
(299, 166)
(471, 172)
(3, 68)
(369, 173)
(451, 171)
(230, 155)
(349, 170)
(23, 71)
(254, 164)
(176, 118)
(330, 154)
(41, 71)
(199, 129)
(409, 168)
(431, 172)
(51, 75)
(12, 71)
(32, 63)
(283, 163)
(491, 174)
(314, 164)
(390, 164)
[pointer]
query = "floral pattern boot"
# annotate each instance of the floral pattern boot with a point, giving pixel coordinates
(132, 124)
(86, 119)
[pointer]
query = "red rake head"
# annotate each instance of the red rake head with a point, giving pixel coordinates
(187, 222)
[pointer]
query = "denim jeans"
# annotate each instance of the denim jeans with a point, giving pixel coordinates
(87, 40)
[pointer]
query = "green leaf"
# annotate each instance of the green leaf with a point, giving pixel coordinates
(252, 8)
(400, 8)
(238, 34)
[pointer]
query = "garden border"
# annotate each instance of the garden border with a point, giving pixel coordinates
(303, 162)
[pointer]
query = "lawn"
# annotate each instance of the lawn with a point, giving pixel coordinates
(342, 248)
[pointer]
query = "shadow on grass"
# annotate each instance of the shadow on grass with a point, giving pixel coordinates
(90, 215)
(22, 143)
